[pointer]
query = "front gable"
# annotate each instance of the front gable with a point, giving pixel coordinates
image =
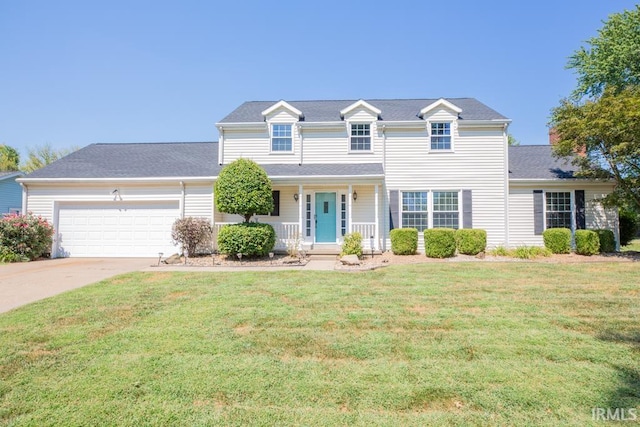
(282, 111)
(440, 110)
(360, 111)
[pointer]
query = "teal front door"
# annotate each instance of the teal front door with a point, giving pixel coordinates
(325, 217)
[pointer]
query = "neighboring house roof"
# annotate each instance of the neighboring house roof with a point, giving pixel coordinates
(538, 162)
(169, 160)
(10, 174)
(390, 110)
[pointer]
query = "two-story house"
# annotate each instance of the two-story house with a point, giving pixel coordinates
(336, 167)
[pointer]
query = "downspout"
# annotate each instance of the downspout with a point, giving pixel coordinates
(25, 198)
(505, 137)
(300, 134)
(221, 145)
(385, 216)
(182, 198)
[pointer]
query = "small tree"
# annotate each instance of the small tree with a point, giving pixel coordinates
(42, 155)
(243, 188)
(9, 159)
(189, 232)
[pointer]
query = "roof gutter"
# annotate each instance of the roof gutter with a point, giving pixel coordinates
(99, 180)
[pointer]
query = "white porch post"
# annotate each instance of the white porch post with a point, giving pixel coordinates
(350, 204)
(301, 203)
(377, 216)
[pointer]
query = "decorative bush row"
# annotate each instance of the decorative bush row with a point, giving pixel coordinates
(471, 241)
(587, 242)
(352, 244)
(247, 238)
(607, 240)
(440, 242)
(24, 237)
(404, 241)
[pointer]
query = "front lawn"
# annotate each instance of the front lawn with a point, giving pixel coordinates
(431, 344)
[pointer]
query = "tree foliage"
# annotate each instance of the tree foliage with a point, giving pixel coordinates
(612, 59)
(42, 155)
(243, 188)
(9, 159)
(512, 140)
(607, 131)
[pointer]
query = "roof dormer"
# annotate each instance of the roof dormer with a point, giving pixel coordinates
(440, 104)
(282, 106)
(360, 105)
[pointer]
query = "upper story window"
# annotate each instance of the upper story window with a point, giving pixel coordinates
(558, 209)
(281, 139)
(445, 209)
(441, 136)
(360, 137)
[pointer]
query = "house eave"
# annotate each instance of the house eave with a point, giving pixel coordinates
(560, 181)
(240, 125)
(483, 123)
(121, 179)
(13, 175)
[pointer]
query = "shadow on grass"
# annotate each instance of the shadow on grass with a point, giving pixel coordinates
(627, 393)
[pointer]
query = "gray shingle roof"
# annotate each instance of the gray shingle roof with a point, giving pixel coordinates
(392, 110)
(538, 162)
(4, 175)
(139, 160)
(167, 160)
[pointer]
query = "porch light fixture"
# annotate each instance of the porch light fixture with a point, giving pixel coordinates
(355, 196)
(295, 196)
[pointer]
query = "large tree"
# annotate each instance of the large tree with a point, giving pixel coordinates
(42, 155)
(243, 188)
(599, 125)
(9, 159)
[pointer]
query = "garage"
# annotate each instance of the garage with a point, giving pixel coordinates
(116, 229)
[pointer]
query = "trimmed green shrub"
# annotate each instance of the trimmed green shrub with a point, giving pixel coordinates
(587, 242)
(471, 241)
(247, 238)
(440, 242)
(26, 236)
(607, 240)
(189, 232)
(352, 244)
(404, 241)
(628, 223)
(557, 240)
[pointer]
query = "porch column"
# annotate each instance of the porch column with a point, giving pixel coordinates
(376, 205)
(301, 203)
(350, 217)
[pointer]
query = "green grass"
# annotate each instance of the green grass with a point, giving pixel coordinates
(634, 245)
(431, 344)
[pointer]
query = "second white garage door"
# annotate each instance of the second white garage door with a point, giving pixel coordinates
(116, 229)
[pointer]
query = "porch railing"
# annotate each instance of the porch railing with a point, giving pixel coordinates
(366, 229)
(286, 232)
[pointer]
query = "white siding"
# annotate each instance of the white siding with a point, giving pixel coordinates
(521, 217)
(478, 163)
(198, 200)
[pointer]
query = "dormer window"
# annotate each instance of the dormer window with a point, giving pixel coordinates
(360, 137)
(441, 135)
(281, 140)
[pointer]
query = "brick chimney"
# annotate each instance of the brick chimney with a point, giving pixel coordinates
(553, 136)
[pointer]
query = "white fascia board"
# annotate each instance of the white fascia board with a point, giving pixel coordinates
(328, 179)
(484, 123)
(282, 104)
(320, 125)
(560, 181)
(406, 124)
(438, 103)
(361, 103)
(111, 180)
(241, 125)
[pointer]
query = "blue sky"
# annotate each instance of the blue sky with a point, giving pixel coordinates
(80, 72)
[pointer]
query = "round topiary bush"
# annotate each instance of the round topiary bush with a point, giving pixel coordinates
(587, 242)
(607, 240)
(557, 240)
(471, 241)
(247, 238)
(404, 241)
(440, 242)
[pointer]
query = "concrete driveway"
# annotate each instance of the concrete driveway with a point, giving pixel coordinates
(25, 282)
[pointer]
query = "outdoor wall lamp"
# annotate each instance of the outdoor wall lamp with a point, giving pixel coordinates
(295, 196)
(355, 196)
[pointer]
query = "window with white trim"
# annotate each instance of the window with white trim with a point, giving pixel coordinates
(281, 138)
(446, 212)
(441, 135)
(415, 210)
(360, 137)
(558, 209)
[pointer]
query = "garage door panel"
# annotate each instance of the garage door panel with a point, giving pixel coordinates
(116, 229)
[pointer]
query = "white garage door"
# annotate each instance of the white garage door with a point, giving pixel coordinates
(116, 229)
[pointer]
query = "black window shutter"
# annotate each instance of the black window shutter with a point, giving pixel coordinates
(394, 210)
(538, 212)
(276, 203)
(581, 220)
(467, 209)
